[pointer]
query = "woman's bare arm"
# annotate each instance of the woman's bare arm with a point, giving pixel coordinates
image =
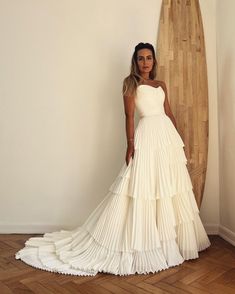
(129, 108)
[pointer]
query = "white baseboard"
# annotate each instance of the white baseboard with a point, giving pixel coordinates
(32, 228)
(211, 229)
(11, 228)
(227, 234)
(223, 232)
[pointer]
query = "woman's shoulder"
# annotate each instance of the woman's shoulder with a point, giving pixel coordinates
(159, 83)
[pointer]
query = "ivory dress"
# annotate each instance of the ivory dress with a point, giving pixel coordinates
(147, 222)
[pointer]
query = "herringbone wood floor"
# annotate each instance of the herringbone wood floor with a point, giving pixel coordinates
(213, 272)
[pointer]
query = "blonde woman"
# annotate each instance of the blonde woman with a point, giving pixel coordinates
(149, 220)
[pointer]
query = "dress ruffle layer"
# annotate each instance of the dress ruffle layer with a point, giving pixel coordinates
(148, 221)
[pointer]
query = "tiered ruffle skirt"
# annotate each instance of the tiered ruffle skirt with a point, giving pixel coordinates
(148, 221)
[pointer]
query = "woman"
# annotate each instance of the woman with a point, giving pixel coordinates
(149, 219)
(143, 70)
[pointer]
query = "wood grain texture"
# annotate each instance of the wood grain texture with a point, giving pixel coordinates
(213, 272)
(181, 61)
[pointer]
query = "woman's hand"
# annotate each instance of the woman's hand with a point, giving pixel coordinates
(129, 153)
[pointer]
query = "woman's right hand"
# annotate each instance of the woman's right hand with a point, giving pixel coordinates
(129, 153)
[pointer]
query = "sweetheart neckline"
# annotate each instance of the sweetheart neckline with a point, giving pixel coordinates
(149, 86)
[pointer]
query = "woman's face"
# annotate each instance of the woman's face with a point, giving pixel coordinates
(145, 60)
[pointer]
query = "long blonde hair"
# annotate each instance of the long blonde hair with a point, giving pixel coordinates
(131, 82)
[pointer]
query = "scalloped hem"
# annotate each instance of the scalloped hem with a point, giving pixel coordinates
(74, 272)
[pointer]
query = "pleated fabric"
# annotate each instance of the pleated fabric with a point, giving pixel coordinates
(147, 222)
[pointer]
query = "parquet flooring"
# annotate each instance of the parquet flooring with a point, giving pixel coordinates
(213, 272)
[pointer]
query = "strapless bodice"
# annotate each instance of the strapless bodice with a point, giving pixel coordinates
(149, 100)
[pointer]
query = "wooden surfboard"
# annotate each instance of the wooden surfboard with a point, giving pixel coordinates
(181, 61)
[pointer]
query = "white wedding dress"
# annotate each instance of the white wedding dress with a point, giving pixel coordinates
(148, 221)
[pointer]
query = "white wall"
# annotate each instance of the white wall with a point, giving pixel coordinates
(209, 211)
(62, 126)
(226, 112)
